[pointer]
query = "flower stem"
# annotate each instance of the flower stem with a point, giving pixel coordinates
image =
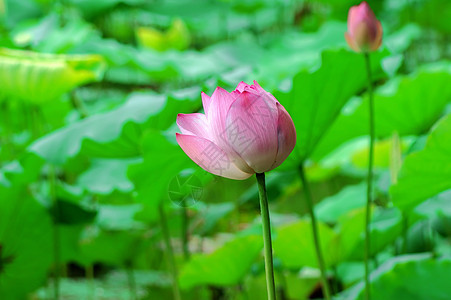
(185, 233)
(170, 253)
(266, 236)
(77, 104)
(89, 274)
(7, 129)
(369, 189)
(56, 233)
(405, 229)
(319, 254)
(131, 280)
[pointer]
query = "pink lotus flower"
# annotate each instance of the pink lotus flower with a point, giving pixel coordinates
(241, 133)
(364, 30)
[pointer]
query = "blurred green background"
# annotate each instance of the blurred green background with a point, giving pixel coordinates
(91, 177)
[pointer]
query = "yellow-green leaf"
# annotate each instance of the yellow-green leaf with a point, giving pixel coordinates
(177, 37)
(39, 77)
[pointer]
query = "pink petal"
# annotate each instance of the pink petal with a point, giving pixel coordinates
(363, 36)
(352, 18)
(351, 42)
(378, 40)
(205, 101)
(194, 124)
(210, 157)
(366, 12)
(364, 30)
(235, 94)
(220, 103)
(258, 87)
(244, 87)
(252, 130)
(358, 14)
(241, 87)
(286, 135)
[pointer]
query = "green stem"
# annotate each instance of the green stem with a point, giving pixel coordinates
(56, 233)
(335, 287)
(56, 279)
(131, 281)
(35, 119)
(266, 236)
(369, 199)
(405, 228)
(170, 253)
(77, 104)
(7, 131)
(316, 240)
(89, 273)
(185, 226)
(37, 131)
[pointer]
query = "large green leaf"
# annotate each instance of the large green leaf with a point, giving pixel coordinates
(211, 214)
(295, 247)
(437, 206)
(406, 105)
(419, 276)
(227, 265)
(117, 133)
(39, 77)
(113, 285)
(350, 238)
(107, 175)
(25, 243)
(294, 244)
(386, 227)
(140, 66)
(68, 213)
(119, 217)
(427, 172)
(299, 49)
(20, 10)
(424, 11)
(317, 97)
(399, 41)
(330, 209)
(109, 247)
(69, 243)
(222, 19)
(163, 161)
(91, 9)
(50, 37)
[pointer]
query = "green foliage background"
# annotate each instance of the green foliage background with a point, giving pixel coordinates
(89, 93)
